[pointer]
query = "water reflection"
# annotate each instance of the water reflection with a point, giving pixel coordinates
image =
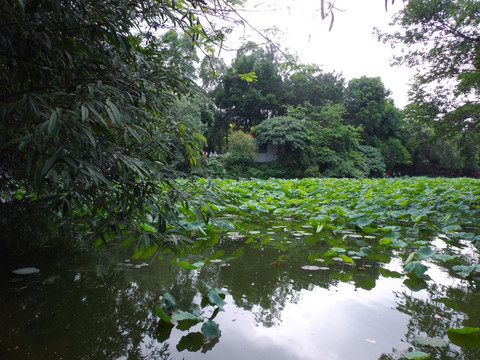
(99, 308)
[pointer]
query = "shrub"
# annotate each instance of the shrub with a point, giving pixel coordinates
(374, 161)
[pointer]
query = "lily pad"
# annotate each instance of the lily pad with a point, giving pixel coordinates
(191, 342)
(417, 355)
(26, 271)
(210, 330)
(311, 267)
(425, 252)
(435, 342)
(445, 257)
(415, 268)
(415, 284)
(215, 298)
(466, 337)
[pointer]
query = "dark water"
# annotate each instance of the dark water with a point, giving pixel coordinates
(101, 305)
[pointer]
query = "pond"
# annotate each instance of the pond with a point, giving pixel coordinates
(278, 292)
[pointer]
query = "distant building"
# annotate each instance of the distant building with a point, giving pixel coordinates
(266, 153)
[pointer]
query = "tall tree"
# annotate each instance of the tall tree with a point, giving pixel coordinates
(368, 105)
(248, 103)
(310, 84)
(441, 39)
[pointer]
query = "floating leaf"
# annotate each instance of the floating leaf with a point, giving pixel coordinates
(425, 252)
(314, 267)
(467, 337)
(217, 255)
(210, 330)
(199, 264)
(399, 243)
(163, 331)
(463, 269)
(385, 241)
(412, 231)
(362, 222)
(366, 250)
(338, 249)
(357, 253)
(224, 224)
(445, 257)
(186, 265)
(169, 301)
(435, 342)
(186, 324)
(451, 228)
(26, 271)
(184, 315)
(415, 284)
(164, 317)
(410, 258)
(191, 342)
(346, 259)
(417, 355)
(389, 274)
(416, 268)
(215, 298)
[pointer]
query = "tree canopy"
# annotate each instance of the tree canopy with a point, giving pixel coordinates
(440, 39)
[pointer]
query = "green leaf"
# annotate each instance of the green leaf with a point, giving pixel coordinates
(184, 325)
(169, 301)
(417, 355)
(224, 224)
(385, 241)
(347, 259)
(410, 258)
(464, 270)
(186, 265)
(435, 342)
(445, 257)
(466, 337)
(217, 255)
(163, 331)
(338, 249)
(184, 315)
(210, 330)
(390, 274)
(362, 222)
(249, 77)
(425, 252)
(191, 342)
(399, 244)
(451, 228)
(85, 113)
(164, 317)
(415, 268)
(215, 298)
(415, 284)
(199, 264)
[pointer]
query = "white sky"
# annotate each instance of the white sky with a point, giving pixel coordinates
(350, 48)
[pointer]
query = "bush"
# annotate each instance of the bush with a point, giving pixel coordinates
(312, 171)
(214, 167)
(242, 152)
(374, 161)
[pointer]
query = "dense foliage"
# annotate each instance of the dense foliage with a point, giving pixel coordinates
(439, 38)
(322, 121)
(86, 95)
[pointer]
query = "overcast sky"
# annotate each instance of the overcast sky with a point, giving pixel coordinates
(349, 48)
